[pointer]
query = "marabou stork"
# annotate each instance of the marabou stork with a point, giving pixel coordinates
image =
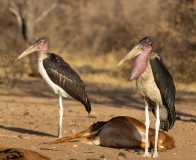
(59, 76)
(155, 85)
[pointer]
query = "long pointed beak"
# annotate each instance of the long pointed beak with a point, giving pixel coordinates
(133, 53)
(29, 50)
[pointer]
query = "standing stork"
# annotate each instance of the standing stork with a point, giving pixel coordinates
(155, 85)
(59, 76)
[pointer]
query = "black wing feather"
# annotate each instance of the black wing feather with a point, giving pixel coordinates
(164, 82)
(65, 77)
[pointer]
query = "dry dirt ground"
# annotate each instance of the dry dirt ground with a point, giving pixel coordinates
(29, 116)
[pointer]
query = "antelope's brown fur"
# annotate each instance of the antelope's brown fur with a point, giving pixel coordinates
(20, 154)
(120, 132)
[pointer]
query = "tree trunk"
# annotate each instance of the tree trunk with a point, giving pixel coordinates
(24, 12)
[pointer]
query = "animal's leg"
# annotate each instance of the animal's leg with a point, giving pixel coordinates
(147, 123)
(60, 116)
(157, 124)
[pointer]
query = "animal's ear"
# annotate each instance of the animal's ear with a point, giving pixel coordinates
(96, 126)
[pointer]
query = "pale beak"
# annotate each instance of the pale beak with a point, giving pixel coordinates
(29, 50)
(133, 53)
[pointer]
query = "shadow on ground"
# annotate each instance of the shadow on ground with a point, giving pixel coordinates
(26, 131)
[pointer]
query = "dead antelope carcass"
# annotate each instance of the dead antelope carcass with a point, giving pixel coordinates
(120, 132)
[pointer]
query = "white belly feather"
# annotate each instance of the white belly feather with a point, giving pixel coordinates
(147, 86)
(56, 88)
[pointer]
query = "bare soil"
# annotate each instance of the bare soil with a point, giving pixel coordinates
(29, 116)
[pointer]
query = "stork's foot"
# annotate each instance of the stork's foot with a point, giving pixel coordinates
(59, 137)
(155, 155)
(146, 154)
(59, 134)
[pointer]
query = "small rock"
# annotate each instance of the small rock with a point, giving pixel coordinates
(26, 113)
(72, 124)
(48, 124)
(20, 136)
(121, 156)
(70, 111)
(103, 156)
(73, 131)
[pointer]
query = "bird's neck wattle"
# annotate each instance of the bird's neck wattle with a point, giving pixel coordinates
(43, 50)
(139, 66)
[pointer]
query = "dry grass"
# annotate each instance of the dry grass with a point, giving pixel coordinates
(99, 33)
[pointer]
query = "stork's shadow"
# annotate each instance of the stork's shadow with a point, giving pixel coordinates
(26, 131)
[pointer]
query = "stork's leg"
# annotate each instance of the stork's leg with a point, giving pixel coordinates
(157, 124)
(147, 123)
(61, 116)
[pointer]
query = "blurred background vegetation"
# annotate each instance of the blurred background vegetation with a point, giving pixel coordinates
(83, 31)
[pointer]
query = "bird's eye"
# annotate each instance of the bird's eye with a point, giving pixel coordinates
(150, 42)
(41, 40)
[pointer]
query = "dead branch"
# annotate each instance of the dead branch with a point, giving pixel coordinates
(46, 12)
(13, 9)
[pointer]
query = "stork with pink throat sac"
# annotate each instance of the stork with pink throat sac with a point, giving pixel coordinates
(156, 87)
(58, 74)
